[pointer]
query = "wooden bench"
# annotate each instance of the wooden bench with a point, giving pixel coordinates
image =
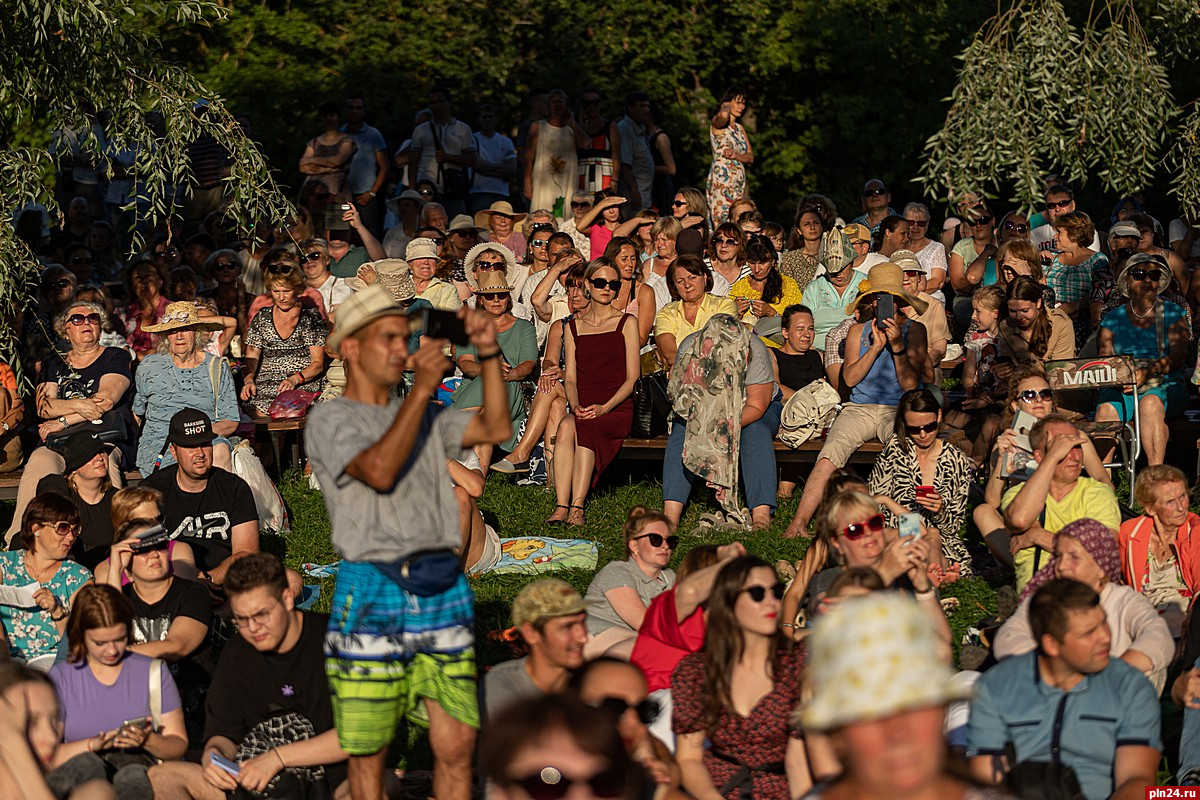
(9, 482)
(277, 430)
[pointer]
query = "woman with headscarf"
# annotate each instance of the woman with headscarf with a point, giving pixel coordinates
(1086, 551)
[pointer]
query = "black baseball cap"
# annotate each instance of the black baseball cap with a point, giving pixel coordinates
(191, 427)
(80, 448)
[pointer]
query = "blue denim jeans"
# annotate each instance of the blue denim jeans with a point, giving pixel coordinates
(757, 461)
(1189, 742)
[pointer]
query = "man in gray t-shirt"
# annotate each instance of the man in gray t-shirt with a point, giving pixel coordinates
(402, 623)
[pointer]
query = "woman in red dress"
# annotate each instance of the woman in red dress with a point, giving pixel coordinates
(602, 366)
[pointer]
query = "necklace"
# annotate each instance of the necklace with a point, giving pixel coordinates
(39, 574)
(1134, 311)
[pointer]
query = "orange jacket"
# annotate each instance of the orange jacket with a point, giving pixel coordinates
(1134, 541)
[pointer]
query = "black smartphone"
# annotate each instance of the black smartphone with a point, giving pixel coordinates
(438, 324)
(333, 217)
(885, 308)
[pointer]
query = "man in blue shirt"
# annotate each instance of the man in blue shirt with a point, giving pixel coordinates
(368, 168)
(1068, 703)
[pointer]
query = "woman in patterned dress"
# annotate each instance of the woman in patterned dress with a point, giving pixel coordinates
(731, 151)
(285, 344)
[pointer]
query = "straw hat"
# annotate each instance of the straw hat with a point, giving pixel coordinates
(360, 310)
(392, 274)
(492, 281)
(886, 278)
(872, 657)
(463, 222)
(502, 207)
(511, 266)
(1144, 261)
(907, 261)
(182, 315)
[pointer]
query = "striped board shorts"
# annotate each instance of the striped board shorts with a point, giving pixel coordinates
(386, 650)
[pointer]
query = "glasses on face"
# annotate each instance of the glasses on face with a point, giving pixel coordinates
(221, 266)
(857, 530)
(679, 203)
(493, 295)
(647, 710)
(313, 256)
(580, 205)
(759, 593)
(61, 283)
(1019, 227)
(257, 619)
(1058, 203)
(79, 320)
(550, 784)
(539, 243)
(170, 252)
(657, 539)
(489, 266)
(154, 548)
(720, 240)
(859, 242)
(917, 223)
(981, 221)
(425, 192)
(438, 241)
(62, 527)
(1145, 274)
(913, 273)
(917, 430)
(874, 192)
(279, 269)
(1029, 395)
(601, 283)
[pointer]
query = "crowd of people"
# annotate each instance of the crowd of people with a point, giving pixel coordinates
(468, 304)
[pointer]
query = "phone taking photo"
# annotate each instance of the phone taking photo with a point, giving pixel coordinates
(910, 526)
(437, 324)
(885, 308)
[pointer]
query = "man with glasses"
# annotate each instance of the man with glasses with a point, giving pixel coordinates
(550, 617)
(495, 162)
(1059, 200)
(876, 205)
(269, 696)
(581, 204)
(1054, 496)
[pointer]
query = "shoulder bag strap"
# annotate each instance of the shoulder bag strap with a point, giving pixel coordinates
(156, 689)
(214, 377)
(1160, 328)
(437, 145)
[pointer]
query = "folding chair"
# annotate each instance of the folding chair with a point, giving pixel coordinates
(1092, 374)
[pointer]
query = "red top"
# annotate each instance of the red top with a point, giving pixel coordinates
(662, 642)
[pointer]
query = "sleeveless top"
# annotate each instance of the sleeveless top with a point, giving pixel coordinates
(880, 386)
(595, 161)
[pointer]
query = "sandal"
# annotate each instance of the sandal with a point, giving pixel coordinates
(551, 521)
(571, 516)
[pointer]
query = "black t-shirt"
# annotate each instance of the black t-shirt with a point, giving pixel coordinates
(205, 520)
(798, 371)
(151, 621)
(96, 530)
(76, 384)
(249, 687)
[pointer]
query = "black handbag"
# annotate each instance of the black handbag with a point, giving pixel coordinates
(1044, 780)
(651, 406)
(110, 428)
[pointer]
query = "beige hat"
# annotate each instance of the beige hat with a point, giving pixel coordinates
(491, 281)
(888, 279)
(463, 222)
(510, 261)
(360, 310)
(874, 656)
(1146, 261)
(182, 315)
(393, 203)
(392, 274)
(503, 207)
(420, 248)
(545, 599)
(907, 261)
(856, 232)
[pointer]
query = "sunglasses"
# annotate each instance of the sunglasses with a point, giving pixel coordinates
(223, 265)
(1019, 227)
(493, 295)
(1059, 203)
(425, 192)
(984, 220)
(84, 319)
(657, 539)
(759, 593)
(61, 283)
(647, 710)
(542, 226)
(679, 203)
(857, 530)
(314, 256)
(279, 269)
(436, 240)
(913, 430)
(62, 527)
(550, 784)
(917, 223)
(489, 266)
(859, 242)
(170, 252)
(1143, 274)
(874, 192)
(154, 548)
(580, 205)
(1029, 395)
(601, 283)
(723, 240)
(539, 242)
(913, 273)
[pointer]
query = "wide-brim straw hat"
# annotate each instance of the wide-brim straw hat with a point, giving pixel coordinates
(492, 281)
(503, 207)
(886, 278)
(393, 274)
(182, 315)
(361, 309)
(463, 222)
(1147, 262)
(510, 262)
(872, 657)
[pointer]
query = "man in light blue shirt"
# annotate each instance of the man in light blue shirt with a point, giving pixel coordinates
(368, 168)
(637, 164)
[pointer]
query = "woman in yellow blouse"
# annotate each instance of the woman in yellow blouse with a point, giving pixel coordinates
(765, 291)
(690, 281)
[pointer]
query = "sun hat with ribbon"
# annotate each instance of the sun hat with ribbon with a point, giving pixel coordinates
(182, 315)
(511, 268)
(872, 657)
(393, 274)
(501, 207)
(886, 278)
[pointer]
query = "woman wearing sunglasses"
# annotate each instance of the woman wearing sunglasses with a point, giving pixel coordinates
(727, 252)
(602, 367)
(972, 262)
(314, 263)
(84, 383)
(49, 528)
(1154, 332)
(224, 267)
(620, 592)
(926, 476)
(930, 252)
(738, 693)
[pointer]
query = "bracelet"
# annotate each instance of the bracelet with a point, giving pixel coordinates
(279, 755)
(896, 352)
(787, 625)
(300, 376)
(925, 592)
(481, 358)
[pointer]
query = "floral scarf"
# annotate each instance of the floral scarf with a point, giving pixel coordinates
(1099, 543)
(708, 389)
